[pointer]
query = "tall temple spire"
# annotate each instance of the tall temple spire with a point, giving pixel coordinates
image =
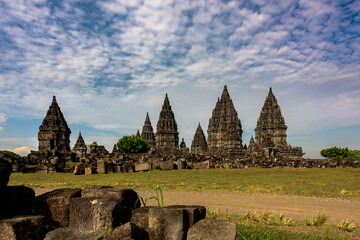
(147, 132)
(224, 130)
(271, 128)
(167, 135)
(54, 133)
(80, 147)
(199, 144)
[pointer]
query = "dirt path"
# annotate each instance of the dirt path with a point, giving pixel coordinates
(295, 207)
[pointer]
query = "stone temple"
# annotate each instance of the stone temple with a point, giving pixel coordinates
(147, 132)
(270, 132)
(199, 144)
(54, 133)
(80, 147)
(224, 130)
(167, 135)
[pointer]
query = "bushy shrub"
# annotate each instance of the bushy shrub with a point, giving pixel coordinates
(10, 154)
(338, 154)
(132, 144)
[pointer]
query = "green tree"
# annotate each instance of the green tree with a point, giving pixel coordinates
(132, 144)
(338, 154)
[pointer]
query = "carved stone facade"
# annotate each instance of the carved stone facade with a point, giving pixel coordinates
(54, 133)
(199, 144)
(167, 135)
(148, 133)
(270, 132)
(224, 130)
(80, 147)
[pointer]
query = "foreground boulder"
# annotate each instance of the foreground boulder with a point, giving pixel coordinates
(55, 204)
(23, 228)
(168, 223)
(5, 171)
(127, 198)
(213, 229)
(194, 212)
(128, 231)
(16, 200)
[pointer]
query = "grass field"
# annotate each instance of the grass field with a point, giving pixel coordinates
(338, 183)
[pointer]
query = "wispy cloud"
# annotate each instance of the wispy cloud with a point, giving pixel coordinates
(109, 62)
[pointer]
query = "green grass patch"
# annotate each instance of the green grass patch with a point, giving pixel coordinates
(338, 182)
(274, 226)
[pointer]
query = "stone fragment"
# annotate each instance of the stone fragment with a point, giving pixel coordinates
(202, 165)
(16, 200)
(96, 214)
(101, 168)
(140, 167)
(23, 228)
(168, 224)
(88, 171)
(5, 171)
(55, 204)
(140, 216)
(195, 212)
(127, 198)
(213, 229)
(128, 231)
(167, 165)
(67, 233)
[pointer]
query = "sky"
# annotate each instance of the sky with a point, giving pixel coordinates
(109, 62)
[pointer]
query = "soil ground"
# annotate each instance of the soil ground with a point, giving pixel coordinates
(295, 207)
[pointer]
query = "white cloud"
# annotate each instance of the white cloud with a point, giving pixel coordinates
(22, 151)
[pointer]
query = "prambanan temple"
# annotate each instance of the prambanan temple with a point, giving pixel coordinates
(224, 140)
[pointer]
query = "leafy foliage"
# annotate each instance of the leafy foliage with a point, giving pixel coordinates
(338, 154)
(10, 154)
(132, 144)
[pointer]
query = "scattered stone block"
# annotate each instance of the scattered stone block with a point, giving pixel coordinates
(101, 168)
(180, 164)
(167, 165)
(16, 200)
(126, 197)
(167, 223)
(67, 233)
(96, 214)
(140, 167)
(5, 171)
(23, 228)
(140, 217)
(213, 229)
(110, 168)
(55, 204)
(128, 231)
(118, 169)
(88, 171)
(79, 169)
(195, 212)
(204, 165)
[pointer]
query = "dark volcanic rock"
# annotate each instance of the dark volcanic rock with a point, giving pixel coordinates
(23, 228)
(55, 204)
(128, 231)
(5, 171)
(16, 200)
(213, 229)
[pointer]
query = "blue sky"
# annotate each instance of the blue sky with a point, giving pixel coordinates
(110, 62)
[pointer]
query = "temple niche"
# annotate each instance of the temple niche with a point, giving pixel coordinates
(224, 130)
(148, 133)
(167, 135)
(54, 133)
(199, 144)
(80, 147)
(270, 132)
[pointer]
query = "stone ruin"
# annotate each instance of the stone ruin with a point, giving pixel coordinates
(99, 212)
(224, 148)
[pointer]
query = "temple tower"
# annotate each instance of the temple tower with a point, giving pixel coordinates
(270, 130)
(167, 135)
(80, 147)
(147, 132)
(138, 133)
(199, 144)
(54, 133)
(224, 130)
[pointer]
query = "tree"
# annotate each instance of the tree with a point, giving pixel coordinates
(132, 144)
(338, 154)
